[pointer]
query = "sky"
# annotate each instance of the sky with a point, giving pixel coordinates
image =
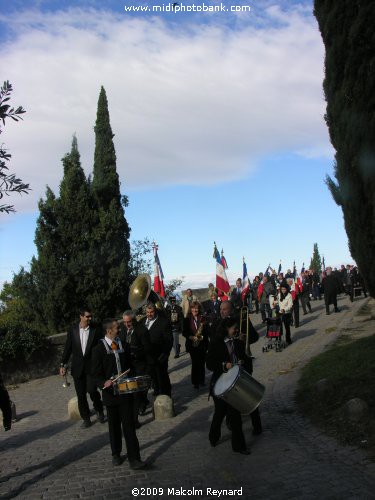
(218, 120)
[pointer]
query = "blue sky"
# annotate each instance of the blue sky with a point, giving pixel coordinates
(218, 123)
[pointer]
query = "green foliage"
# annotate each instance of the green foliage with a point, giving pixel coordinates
(9, 183)
(347, 31)
(316, 261)
(173, 285)
(19, 338)
(139, 263)
(110, 248)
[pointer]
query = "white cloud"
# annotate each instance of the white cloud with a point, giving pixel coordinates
(188, 104)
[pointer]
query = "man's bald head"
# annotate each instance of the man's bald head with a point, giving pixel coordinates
(226, 309)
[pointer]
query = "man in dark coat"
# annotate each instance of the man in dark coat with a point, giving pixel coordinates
(80, 341)
(155, 335)
(111, 358)
(175, 316)
(129, 335)
(331, 287)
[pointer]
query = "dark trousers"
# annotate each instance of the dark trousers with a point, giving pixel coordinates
(84, 385)
(235, 421)
(160, 378)
(5, 407)
(198, 361)
(330, 300)
(316, 292)
(296, 312)
(286, 322)
(256, 301)
(305, 301)
(122, 416)
(265, 311)
(176, 344)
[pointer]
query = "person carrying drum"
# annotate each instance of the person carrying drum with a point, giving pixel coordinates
(110, 358)
(224, 352)
(128, 334)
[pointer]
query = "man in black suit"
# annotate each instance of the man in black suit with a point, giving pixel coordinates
(5, 406)
(129, 335)
(155, 334)
(110, 358)
(236, 295)
(80, 341)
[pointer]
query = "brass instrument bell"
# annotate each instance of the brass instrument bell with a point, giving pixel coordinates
(140, 293)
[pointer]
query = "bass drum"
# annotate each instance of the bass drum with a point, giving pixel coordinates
(239, 389)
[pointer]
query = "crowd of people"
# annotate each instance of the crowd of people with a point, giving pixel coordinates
(211, 329)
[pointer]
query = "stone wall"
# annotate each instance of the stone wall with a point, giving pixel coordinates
(38, 366)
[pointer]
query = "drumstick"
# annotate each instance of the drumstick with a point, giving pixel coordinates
(114, 380)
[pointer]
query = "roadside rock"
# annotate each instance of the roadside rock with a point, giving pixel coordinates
(356, 409)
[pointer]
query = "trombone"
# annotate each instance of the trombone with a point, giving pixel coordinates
(244, 316)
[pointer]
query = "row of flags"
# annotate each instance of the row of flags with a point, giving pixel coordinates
(222, 283)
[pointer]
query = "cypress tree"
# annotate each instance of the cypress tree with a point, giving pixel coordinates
(48, 268)
(347, 29)
(316, 261)
(63, 242)
(110, 245)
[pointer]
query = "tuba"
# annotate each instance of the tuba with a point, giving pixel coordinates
(140, 293)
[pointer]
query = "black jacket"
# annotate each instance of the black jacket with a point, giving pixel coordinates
(158, 341)
(104, 367)
(218, 354)
(187, 331)
(137, 353)
(81, 364)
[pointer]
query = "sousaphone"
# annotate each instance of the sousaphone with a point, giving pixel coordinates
(141, 292)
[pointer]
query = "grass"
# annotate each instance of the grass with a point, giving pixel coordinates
(350, 370)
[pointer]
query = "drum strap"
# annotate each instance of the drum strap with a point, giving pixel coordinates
(116, 353)
(232, 354)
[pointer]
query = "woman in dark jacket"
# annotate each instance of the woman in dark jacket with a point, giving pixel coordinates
(225, 351)
(196, 332)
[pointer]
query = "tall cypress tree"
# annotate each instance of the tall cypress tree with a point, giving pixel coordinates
(63, 243)
(47, 269)
(316, 261)
(110, 244)
(347, 29)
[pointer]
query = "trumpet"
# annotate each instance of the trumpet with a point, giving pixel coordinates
(244, 316)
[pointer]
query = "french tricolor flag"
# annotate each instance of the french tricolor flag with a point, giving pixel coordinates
(222, 282)
(245, 282)
(158, 273)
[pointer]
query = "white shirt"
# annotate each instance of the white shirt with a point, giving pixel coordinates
(149, 322)
(84, 335)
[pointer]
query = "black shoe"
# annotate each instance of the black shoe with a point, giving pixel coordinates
(176, 356)
(213, 443)
(328, 313)
(137, 425)
(86, 423)
(100, 416)
(196, 386)
(337, 310)
(289, 341)
(257, 431)
(116, 460)
(137, 464)
(244, 452)
(7, 426)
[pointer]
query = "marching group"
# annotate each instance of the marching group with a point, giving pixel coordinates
(211, 331)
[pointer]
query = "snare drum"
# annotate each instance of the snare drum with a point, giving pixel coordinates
(239, 389)
(128, 385)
